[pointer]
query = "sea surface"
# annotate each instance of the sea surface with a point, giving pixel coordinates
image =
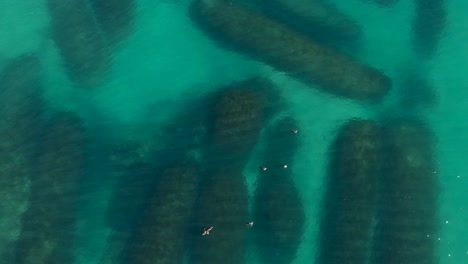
(126, 128)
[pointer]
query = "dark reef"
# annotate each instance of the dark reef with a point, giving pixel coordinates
(222, 204)
(408, 214)
(162, 234)
(417, 94)
(137, 165)
(21, 92)
(116, 18)
(20, 109)
(84, 50)
(239, 117)
(278, 207)
(187, 130)
(429, 24)
(130, 198)
(238, 113)
(318, 20)
(383, 3)
(349, 205)
(228, 119)
(48, 223)
(242, 30)
(131, 194)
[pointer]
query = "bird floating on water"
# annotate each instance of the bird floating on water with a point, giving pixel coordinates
(206, 230)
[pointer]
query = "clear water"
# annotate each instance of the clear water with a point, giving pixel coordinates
(167, 62)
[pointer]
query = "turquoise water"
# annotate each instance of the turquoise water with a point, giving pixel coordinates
(153, 107)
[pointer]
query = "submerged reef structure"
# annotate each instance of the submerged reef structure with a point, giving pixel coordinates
(20, 107)
(162, 234)
(316, 18)
(135, 164)
(428, 25)
(222, 204)
(186, 131)
(48, 224)
(239, 114)
(383, 3)
(84, 51)
(417, 94)
(277, 203)
(132, 195)
(134, 186)
(349, 205)
(243, 30)
(238, 122)
(408, 215)
(229, 119)
(116, 18)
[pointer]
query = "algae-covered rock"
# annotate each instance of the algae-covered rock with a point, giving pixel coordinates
(49, 222)
(350, 200)
(222, 204)
(278, 207)
(429, 23)
(317, 19)
(116, 18)
(407, 226)
(245, 31)
(239, 116)
(20, 108)
(84, 50)
(162, 234)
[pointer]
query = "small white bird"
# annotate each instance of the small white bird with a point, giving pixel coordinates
(294, 131)
(284, 166)
(263, 168)
(249, 223)
(206, 230)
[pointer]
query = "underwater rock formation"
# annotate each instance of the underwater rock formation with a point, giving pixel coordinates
(223, 204)
(84, 51)
(239, 116)
(316, 18)
(128, 153)
(277, 204)
(20, 107)
(350, 199)
(428, 26)
(48, 224)
(187, 129)
(383, 3)
(417, 94)
(21, 90)
(270, 42)
(162, 234)
(135, 164)
(131, 195)
(135, 184)
(229, 118)
(408, 214)
(236, 117)
(240, 112)
(116, 18)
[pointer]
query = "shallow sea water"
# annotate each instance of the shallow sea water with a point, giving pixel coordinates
(159, 72)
